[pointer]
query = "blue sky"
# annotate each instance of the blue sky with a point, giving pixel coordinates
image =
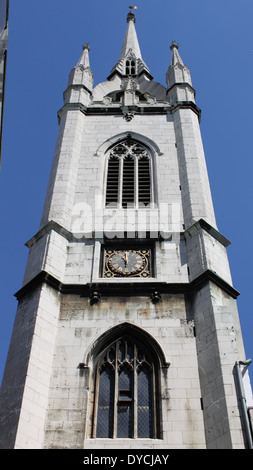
(45, 42)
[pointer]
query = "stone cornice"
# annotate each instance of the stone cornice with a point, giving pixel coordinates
(77, 86)
(181, 85)
(105, 110)
(128, 289)
(202, 224)
(186, 105)
(51, 225)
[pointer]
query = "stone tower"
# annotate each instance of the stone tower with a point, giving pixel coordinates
(127, 332)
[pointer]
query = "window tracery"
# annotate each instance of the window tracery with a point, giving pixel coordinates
(129, 175)
(125, 393)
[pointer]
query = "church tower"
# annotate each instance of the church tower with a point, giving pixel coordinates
(127, 331)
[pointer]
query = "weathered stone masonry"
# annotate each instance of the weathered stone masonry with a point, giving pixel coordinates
(69, 313)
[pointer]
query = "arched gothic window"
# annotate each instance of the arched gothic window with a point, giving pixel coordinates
(126, 392)
(129, 175)
(130, 67)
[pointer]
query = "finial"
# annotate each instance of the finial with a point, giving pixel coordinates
(131, 15)
(174, 44)
(86, 46)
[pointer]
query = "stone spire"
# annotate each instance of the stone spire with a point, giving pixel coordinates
(178, 78)
(175, 57)
(131, 41)
(84, 60)
(130, 51)
(81, 80)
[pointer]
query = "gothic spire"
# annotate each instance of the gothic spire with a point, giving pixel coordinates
(130, 51)
(131, 41)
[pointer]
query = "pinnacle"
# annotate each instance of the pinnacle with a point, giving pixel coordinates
(84, 59)
(175, 59)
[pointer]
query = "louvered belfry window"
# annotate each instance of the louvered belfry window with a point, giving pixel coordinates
(125, 388)
(129, 171)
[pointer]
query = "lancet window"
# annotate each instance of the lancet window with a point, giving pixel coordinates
(125, 403)
(129, 176)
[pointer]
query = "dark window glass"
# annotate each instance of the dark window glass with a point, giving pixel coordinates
(145, 412)
(125, 401)
(105, 402)
(125, 427)
(133, 71)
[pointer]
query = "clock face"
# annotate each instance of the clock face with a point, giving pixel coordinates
(120, 263)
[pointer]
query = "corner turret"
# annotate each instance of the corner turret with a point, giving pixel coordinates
(81, 80)
(178, 78)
